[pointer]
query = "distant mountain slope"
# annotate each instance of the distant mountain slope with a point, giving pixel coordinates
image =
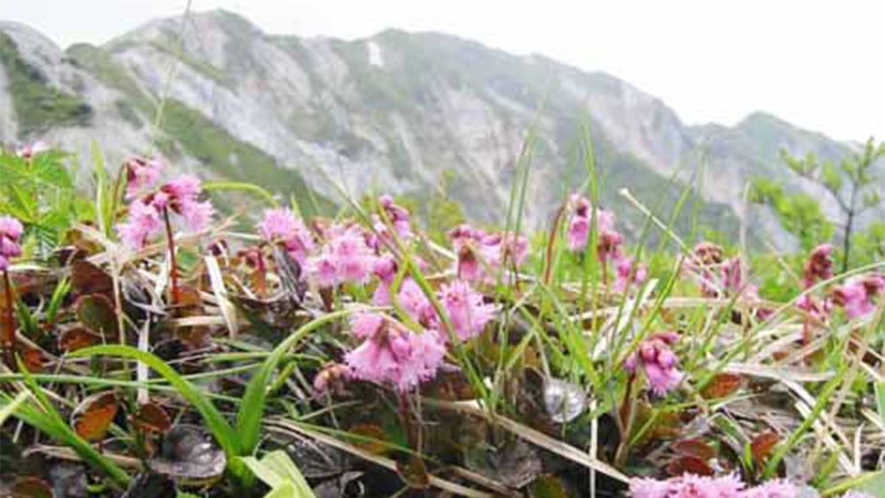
(390, 112)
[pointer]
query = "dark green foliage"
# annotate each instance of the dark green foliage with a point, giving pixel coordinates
(38, 105)
(41, 194)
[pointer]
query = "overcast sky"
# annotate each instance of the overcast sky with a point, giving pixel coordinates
(818, 64)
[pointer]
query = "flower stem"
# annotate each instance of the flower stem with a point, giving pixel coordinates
(8, 339)
(625, 422)
(173, 270)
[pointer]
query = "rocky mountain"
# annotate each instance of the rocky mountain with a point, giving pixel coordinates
(216, 95)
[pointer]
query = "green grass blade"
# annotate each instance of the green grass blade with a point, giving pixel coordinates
(242, 187)
(255, 398)
(216, 423)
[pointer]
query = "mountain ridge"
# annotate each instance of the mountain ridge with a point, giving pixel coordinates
(395, 111)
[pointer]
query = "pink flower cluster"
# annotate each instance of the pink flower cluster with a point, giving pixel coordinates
(719, 277)
(397, 215)
(660, 364)
(281, 226)
(730, 486)
(390, 357)
(344, 257)
(147, 213)
(464, 306)
(10, 239)
(629, 274)
(609, 239)
(141, 175)
(857, 296)
(391, 353)
(819, 265)
(481, 255)
(466, 310)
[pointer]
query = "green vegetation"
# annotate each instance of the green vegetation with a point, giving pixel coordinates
(854, 185)
(267, 368)
(38, 105)
(41, 193)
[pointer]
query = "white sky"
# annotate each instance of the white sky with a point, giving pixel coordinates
(818, 64)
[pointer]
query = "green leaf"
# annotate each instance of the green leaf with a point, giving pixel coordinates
(255, 398)
(285, 490)
(213, 418)
(279, 472)
(880, 399)
(244, 187)
(9, 409)
(44, 417)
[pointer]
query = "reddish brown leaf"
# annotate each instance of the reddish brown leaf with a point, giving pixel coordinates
(413, 472)
(694, 447)
(86, 278)
(370, 431)
(31, 357)
(76, 338)
(94, 415)
(151, 417)
(96, 312)
(723, 384)
(688, 464)
(763, 444)
(31, 487)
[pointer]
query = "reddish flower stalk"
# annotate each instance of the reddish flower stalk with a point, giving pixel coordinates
(8, 339)
(173, 263)
(10, 238)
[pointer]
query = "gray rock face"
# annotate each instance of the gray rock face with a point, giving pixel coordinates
(390, 113)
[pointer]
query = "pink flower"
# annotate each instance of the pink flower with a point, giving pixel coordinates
(30, 150)
(733, 275)
(777, 488)
(691, 486)
(141, 175)
(281, 225)
(688, 486)
(183, 187)
(10, 239)
(819, 265)
(609, 240)
(466, 309)
(819, 311)
(398, 216)
(857, 295)
(481, 255)
(345, 257)
(660, 364)
(144, 222)
(629, 274)
(415, 303)
(385, 268)
(196, 215)
(390, 353)
(649, 488)
(146, 215)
